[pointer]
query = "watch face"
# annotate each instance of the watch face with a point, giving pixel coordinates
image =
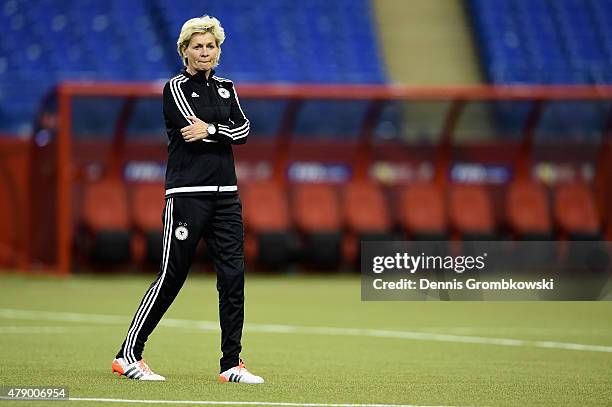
(212, 129)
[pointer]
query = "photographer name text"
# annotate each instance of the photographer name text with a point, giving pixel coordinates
(469, 284)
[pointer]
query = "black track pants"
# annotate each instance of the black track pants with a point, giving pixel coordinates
(186, 219)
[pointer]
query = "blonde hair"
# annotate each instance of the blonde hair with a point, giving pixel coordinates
(200, 25)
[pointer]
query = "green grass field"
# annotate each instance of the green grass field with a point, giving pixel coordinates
(409, 353)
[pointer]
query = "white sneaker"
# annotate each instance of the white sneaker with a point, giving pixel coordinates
(137, 370)
(240, 374)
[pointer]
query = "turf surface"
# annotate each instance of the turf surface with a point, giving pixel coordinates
(305, 366)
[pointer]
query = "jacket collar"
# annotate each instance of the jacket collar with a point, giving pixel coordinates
(199, 76)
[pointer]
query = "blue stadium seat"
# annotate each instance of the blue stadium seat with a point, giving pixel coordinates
(561, 41)
(317, 41)
(548, 42)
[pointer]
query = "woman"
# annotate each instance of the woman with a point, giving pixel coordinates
(203, 119)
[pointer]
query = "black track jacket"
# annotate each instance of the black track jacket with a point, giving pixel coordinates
(204, 166)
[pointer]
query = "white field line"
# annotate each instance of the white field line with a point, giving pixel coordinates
(497, 330)
(300, 330)
(241, 403)
(14, 329)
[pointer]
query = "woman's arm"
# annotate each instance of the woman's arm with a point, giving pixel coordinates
(236, 129)
(181, 116)
(176, 108)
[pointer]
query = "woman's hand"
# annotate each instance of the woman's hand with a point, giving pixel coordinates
(198, 130)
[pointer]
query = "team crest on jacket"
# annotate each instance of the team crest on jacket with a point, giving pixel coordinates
(224, 93)
(181, 232)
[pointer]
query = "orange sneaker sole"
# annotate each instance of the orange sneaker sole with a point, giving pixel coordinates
(116, 368)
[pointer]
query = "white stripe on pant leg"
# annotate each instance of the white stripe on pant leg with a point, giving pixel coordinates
(127, 354)
(131, 339)
(144, 311)
(128, 351)
(159, 282)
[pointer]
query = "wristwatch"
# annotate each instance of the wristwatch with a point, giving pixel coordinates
(212, 129)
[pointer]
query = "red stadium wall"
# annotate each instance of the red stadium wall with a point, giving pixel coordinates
(14, 202)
